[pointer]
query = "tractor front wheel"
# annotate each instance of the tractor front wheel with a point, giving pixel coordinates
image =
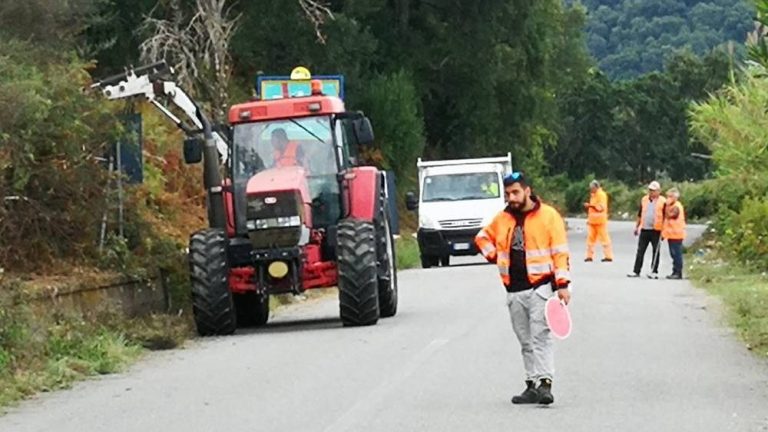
(358, 273)
(212, 305)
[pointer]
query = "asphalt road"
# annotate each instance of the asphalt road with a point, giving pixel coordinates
(645, 355)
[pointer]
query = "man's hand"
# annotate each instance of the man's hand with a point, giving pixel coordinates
(564, 295)
(637, 231)
(586, 205)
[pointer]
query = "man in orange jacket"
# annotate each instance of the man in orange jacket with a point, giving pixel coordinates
(285, 152)
(650, 220)
(528, 243)
(674, 231)
(597, 222)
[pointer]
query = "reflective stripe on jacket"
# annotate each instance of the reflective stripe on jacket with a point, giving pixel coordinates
(674, 229)
(658, 221)
(598, 199)
(546, 245)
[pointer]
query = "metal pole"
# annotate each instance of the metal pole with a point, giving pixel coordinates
(119, 190)
(106, 208)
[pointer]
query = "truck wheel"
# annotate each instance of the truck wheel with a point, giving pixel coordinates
(358, 270)
(445, 261)
(212, 305)
(387, 274)
(252, 309)
(428, 261)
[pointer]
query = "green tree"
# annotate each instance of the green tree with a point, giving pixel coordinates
(392, 103)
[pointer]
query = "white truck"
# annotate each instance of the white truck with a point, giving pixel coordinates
(456, 199)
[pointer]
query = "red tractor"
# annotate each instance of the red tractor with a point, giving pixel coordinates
(295, 212)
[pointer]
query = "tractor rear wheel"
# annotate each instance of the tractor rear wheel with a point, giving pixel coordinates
(252, 309)
(387, 275)
(212, 305)
(358, 271)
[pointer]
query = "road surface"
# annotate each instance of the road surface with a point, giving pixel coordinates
(644, 356)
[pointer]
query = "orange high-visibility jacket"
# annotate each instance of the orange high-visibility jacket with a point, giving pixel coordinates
(546, 245)
(674, 229)
(658, 222)
(599, 215)
(289, 157)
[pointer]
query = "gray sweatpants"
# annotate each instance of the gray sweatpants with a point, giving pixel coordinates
(526, 310)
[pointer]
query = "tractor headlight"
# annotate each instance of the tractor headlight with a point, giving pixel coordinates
(277, 222)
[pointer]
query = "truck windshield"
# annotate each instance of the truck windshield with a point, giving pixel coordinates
(459, 187)
(306, 142)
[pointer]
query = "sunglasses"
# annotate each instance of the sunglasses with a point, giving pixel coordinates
(513, 177)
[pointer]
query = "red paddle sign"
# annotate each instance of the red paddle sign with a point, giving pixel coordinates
(558, 318)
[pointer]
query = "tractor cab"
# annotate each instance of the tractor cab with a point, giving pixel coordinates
(296, 143)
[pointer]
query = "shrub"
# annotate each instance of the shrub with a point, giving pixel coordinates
(746, 234)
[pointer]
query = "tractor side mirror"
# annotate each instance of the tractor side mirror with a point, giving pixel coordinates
(193, 150)
(411, 202)
(363, 131)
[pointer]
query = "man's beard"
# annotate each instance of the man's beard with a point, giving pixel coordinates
(516, 205)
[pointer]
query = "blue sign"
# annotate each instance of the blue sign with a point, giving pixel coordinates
(271, 87)
(131, 157)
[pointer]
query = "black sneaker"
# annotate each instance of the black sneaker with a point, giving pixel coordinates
(675, 276)
(607, 260)
(587, 259)
(545, 392)
(528, 396)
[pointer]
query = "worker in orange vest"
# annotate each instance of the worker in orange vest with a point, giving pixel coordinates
(286, 153)
(528, 243)
(597, 222)
(650, 220)
(674, 231)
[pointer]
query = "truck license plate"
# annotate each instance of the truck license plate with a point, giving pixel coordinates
(461, 246)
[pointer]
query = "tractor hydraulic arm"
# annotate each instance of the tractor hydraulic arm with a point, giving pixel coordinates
(146, 81)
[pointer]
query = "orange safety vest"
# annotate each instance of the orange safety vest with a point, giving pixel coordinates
(546, 245)
(674, 229)
(658, 222)
(598, 217)
(288, 157)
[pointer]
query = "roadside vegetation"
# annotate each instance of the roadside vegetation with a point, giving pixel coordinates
(743, 290)
(407, 251)
(44, 347)
(733, 124)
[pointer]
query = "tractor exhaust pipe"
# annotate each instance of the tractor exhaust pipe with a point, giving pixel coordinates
(212, 178)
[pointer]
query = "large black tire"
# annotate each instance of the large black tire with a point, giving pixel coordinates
(212, 305)
(358, 282)
(387, 260)
(252, 309)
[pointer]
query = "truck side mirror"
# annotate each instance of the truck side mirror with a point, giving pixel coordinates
(411, 202)
(363, 130)
(193, 150)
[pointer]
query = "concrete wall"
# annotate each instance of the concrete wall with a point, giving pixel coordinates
(130, 297)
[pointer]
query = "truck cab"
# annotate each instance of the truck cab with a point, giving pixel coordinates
(456, 199)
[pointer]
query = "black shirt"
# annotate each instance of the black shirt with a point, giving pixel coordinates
(518, 270)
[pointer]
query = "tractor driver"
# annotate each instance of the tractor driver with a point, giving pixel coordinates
(285, 153)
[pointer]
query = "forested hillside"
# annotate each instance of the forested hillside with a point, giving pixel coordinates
(440, 79)
(632, 37)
